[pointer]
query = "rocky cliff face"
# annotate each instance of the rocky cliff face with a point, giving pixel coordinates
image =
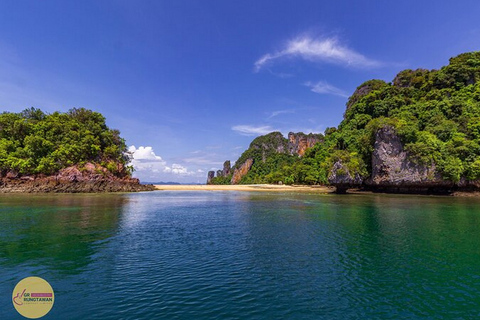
(240, 172)
(264, 147)
(210, 176)
(393, 168)
(299, 142)
(273, 142)
(341, 177)
(226, 168)
(89, 178)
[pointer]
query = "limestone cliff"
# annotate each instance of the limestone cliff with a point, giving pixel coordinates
(393, 169)
(419, 132)
(299, 142)
(210, 176)
(267, 147)
(241, 171)
(226, 168)
(342, 178)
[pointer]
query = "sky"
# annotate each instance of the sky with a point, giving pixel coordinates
(190, 84)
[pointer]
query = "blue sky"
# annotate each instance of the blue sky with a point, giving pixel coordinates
(190, 83)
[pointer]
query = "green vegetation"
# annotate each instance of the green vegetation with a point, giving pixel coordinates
(32, 142)
(436, 114)
(272, 162)
(221, 180)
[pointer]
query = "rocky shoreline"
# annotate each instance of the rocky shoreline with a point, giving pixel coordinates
(89, 179)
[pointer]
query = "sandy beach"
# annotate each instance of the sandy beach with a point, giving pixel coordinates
(249, 187)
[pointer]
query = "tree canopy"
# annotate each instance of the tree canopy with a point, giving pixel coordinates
(33, 142)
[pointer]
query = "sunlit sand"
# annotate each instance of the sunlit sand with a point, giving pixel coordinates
(249, 187)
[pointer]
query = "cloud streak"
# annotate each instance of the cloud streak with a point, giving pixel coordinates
(249, 130)
(322, 87)
(328, 50)
(279, 112)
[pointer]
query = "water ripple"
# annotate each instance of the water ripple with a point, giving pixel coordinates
(207, 255)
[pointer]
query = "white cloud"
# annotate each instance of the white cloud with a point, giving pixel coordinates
(322, 87)
(144, 159)
(328, 50)
(178, 169)
(146, 162)
(248, 130)
(144, 153)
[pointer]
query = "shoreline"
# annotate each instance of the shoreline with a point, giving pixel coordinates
(293, 188)
(246, 187)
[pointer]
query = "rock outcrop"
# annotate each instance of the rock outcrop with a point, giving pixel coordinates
(299, 142)
(268, 144)
(87, 179)
(341, 177)
(240, 172)
(226, 168)
(210, 176)
(394, 170)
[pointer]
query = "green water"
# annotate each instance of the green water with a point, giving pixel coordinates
(234, 255)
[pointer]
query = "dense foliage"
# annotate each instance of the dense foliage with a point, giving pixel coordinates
(32, 142)
(270, 155)
(436, 113)
(222, 180)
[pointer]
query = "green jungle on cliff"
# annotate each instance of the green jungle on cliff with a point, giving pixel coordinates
(436, 114)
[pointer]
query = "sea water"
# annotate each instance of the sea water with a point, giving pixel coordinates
(244, 255)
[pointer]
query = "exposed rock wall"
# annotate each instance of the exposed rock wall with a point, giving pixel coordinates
(90, 178)
(341, 177)
(240, 172)
(393, 168)
(210, 176)
(299, 142)
(226, 168)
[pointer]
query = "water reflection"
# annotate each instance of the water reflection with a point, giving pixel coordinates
(60, 232)
(394, 256)
(216, 255)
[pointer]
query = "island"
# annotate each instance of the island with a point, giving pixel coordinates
(419, 133)
(67, 152)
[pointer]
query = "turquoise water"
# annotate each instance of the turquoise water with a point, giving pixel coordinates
(235, 255)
